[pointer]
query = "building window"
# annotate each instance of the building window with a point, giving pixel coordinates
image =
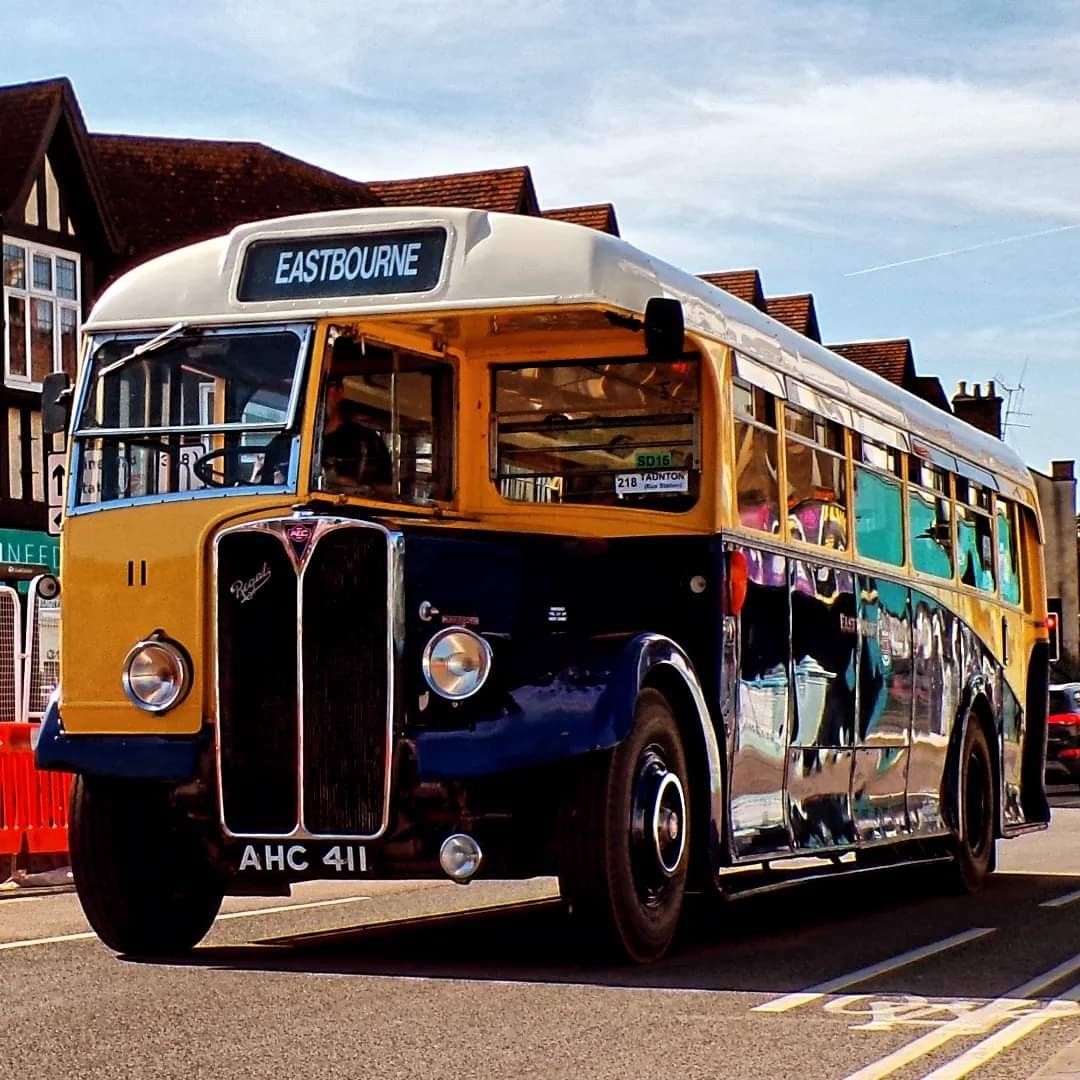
(41, 299)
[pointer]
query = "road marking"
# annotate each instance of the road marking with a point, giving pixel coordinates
(988, 1049)
(250, 914)
(1061, 901)
(977, 1022)
(842, 982)
(46, 940)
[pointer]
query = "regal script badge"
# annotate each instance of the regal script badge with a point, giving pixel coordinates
(245, 590)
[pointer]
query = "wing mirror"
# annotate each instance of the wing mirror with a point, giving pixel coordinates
(55, 402)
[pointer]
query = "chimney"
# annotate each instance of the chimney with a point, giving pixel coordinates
(1062, 470)
(978, 409)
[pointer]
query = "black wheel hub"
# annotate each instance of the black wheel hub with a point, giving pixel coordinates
(657, 826)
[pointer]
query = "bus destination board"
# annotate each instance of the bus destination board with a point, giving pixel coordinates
(367, 264)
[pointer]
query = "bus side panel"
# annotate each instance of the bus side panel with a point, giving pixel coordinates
(824, 653)
(937, 693)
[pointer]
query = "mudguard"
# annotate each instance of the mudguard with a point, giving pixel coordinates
(138, 757)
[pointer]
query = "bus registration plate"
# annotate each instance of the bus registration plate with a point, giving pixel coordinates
(324, 860)
(639, 483)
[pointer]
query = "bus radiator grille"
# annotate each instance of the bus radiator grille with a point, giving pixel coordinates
(257, 687)
(346, 662)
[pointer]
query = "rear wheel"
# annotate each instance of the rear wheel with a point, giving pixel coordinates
(973, 849)
(145, 887)
(624, 846)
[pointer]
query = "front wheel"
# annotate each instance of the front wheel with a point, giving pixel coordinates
(145, 888)
(624, 844)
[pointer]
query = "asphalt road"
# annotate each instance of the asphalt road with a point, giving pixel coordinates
(876, 976)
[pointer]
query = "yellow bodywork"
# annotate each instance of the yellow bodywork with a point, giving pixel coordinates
(104, 616)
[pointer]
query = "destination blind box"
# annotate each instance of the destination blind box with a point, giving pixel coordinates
(363, 264)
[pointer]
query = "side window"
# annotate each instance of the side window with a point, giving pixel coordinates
(1008, 564)
(974, 535)
(879, 504)
(816, 479)
(929, 519)
(756, 480)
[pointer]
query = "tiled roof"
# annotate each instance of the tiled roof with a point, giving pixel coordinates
(797, 312)
(745, 284)
(177, 191)
(929, 388)
(599, 216)
(510, 191)
(891, 360)
(27, 115)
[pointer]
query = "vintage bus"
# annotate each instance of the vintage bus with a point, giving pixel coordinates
(426, 542)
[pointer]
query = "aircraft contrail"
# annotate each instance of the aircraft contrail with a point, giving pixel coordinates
(963, 250)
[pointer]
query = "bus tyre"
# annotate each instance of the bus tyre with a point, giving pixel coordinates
(973, 848)
(624, 843)
(144, 887)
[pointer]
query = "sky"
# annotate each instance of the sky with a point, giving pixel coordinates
(915, 166)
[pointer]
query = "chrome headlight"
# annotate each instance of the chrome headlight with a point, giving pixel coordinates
(456, 663)
(156, 675)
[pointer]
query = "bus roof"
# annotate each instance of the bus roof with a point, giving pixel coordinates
(506, 260)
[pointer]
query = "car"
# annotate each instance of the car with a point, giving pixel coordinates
(1063, 733)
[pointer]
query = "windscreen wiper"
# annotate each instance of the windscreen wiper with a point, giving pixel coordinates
(176, 330)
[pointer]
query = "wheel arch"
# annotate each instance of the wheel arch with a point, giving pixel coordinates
(976, 707)
(660, 664)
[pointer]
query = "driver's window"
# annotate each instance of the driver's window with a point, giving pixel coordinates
(387, 422)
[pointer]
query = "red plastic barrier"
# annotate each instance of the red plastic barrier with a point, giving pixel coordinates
(33, 804)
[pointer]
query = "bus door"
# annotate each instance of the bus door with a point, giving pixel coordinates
(883, 734)
(757, 809)
(824, 650)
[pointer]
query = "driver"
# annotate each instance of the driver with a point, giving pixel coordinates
(352, 452)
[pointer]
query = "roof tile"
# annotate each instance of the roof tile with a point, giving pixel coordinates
(599, 216)
(26, 111)
(892, 360)
(178, 191)
(797, 312)
(745, 284)
(509, 191)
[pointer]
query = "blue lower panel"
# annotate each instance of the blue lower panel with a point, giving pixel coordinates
(127, 757)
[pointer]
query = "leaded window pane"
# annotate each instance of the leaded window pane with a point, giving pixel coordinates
(43, 272)
(42, 348)
(14, 266)
(16, 335)
(65, 279)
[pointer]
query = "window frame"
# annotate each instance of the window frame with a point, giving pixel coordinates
(918, 487)
(898, 476)
(822, 426)
(698, 465)
(30, 293)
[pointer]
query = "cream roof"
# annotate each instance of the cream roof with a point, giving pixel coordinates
(508, 260)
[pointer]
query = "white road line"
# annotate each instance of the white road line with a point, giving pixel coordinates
(1061, 901)
(842, 982)
(46, 940)
(973, 1023)
(981, 1053)
(250, 914)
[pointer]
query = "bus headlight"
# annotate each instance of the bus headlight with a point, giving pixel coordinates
(156, 675)
(456, 663)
